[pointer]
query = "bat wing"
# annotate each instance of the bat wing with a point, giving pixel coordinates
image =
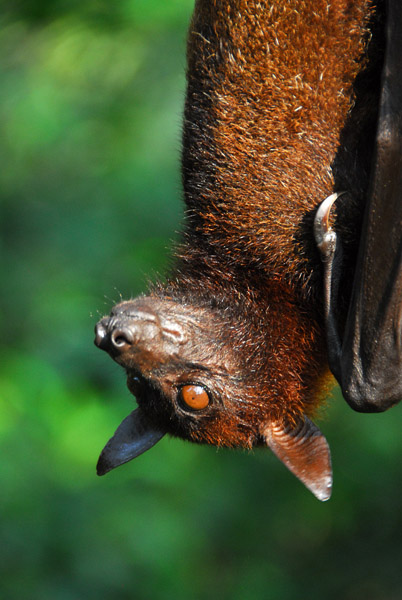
(368, 361)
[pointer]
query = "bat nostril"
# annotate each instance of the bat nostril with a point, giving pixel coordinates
(122, 337)
(100, 334)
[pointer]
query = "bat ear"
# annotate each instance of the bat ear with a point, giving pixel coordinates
(304, 451)
(134, 436)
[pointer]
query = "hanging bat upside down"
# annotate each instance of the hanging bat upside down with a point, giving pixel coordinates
(292, 107)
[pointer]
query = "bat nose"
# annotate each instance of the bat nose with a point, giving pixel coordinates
(121, 337)
(100, 335)
(129, 324)
(113, 337)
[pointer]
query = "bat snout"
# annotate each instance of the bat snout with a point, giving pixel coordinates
(114, 337)
(128, 326)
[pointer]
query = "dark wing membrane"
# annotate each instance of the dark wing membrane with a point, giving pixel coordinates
(371, 358)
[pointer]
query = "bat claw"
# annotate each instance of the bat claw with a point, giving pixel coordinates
(331, 255)
(325, 237)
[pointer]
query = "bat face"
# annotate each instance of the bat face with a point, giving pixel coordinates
(183, 365)
(182, 369)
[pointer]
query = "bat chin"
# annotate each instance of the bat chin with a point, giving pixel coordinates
(134, 436)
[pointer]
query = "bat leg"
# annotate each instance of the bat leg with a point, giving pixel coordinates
(330, 250)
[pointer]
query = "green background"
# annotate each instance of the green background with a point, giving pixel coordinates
(90, 199)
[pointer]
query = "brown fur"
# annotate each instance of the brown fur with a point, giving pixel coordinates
(270, 86)
(270, 108)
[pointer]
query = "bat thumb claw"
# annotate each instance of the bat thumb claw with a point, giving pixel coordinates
(325, 237)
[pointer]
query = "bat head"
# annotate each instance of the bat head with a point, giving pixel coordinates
(187, 368)
(182, 368)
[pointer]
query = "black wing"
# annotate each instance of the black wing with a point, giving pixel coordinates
(368, 361)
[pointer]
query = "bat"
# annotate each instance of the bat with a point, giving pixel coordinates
(291, 106)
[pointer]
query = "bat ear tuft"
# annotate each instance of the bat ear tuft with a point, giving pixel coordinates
(304, 451)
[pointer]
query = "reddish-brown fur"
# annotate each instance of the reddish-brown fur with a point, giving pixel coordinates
(268, 114)
(269, 87)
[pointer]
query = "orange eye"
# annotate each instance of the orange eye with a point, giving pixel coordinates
(194, 396)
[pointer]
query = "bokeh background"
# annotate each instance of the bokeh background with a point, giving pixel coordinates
(90, 116)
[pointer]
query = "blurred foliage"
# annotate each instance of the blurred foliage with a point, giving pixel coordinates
(90, 116)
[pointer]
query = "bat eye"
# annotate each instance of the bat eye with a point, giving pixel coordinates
(194, 396)
(134, 384)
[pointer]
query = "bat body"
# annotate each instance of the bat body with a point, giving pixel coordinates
(281, 110)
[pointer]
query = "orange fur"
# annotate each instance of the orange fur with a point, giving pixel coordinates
(276, 111)
(270, 85)
(277, 78)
